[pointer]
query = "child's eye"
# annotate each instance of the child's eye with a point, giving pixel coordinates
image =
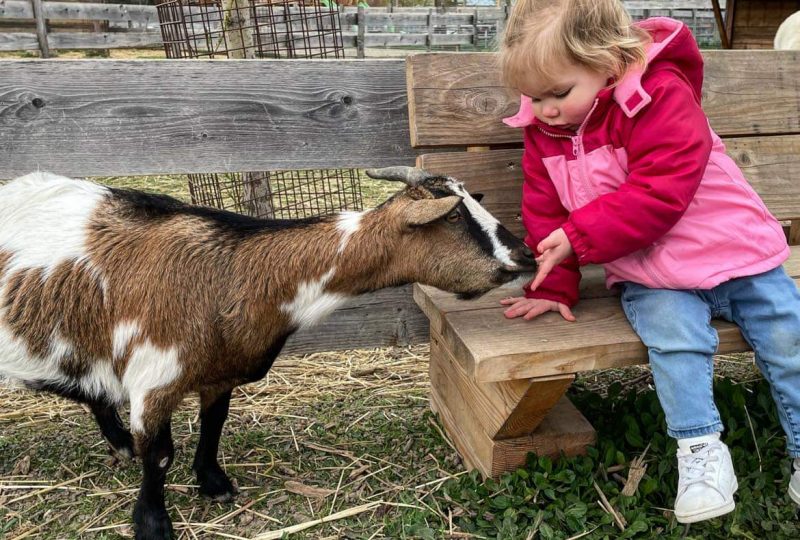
(565, 93)
(535, 100)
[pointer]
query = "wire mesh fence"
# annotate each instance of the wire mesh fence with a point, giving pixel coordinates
(250, 29)
(280, 194)
(268, 29)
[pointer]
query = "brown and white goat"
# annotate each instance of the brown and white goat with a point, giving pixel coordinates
(112, 296)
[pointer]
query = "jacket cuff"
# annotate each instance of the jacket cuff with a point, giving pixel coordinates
(550, 295)
(578, 242)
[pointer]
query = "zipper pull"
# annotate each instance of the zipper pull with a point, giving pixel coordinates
(575, 145)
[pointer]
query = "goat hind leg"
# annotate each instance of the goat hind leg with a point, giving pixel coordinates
(212, 479)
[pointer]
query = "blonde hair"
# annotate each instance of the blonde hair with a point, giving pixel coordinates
(543, 36)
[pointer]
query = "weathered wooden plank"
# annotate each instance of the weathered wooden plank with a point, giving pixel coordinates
(601, 338)
(18, 41)
(385, 318)
(506, 409)
(438, 304)
(480, 337)
(564, 431)
(404, 18)
(21, 9)
(105, 40)
(116, 117)
(771, 164)
(457, 99)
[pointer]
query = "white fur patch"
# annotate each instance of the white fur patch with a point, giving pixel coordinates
(311, 303)
(149, 367)
(486, 221)
(17, 363)
(348, 223)
(123, 334)
(102, 381)
(43, 219)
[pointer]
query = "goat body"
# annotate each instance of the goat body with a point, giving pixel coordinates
(111, 296)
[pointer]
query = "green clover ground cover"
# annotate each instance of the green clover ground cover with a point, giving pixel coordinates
(557, 500)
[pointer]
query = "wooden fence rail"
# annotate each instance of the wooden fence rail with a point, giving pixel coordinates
(136, 26)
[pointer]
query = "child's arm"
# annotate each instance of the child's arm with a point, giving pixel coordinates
(668, 147)
(543, 213)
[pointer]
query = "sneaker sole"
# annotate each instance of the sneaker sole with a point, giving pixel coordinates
(712, 512)
(794, 495)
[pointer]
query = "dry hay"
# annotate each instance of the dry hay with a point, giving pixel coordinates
(386, 384)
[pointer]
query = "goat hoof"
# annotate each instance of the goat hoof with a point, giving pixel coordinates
(217, 487)
(124, 453)
(152, 524)
(121, 446)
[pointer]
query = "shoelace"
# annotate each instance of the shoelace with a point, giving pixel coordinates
(698, 467)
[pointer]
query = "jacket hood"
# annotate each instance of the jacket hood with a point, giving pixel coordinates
(673, 47)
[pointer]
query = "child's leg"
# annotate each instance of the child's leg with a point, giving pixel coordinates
(675, 327)
(767, 309)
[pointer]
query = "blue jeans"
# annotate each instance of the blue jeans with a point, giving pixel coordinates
(675, 327)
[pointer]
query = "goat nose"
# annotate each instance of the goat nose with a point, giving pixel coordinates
(527, 253)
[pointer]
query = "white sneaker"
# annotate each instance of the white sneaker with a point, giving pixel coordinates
(794, 482)
(706, 481)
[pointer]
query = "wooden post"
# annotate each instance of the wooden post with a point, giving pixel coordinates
(723, 32)
(257, 195)
(730, 13)
(362, 30)
(475, 29)
(239, 29)
(500, 25)
(430, 28)
(41, 28)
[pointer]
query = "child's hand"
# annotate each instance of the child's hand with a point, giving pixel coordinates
(528, 308)
(554, 249)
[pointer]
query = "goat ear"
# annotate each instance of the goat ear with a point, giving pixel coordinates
(477, 196)
(424, 211)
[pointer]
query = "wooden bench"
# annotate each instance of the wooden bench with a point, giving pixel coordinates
(497, 384)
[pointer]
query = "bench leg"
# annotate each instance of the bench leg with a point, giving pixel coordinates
(495, 425)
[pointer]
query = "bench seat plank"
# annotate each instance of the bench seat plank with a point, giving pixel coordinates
(493, 348)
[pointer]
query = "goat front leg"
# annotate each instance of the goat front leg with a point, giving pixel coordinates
(111, 427)
(150, 518)
(212, 479)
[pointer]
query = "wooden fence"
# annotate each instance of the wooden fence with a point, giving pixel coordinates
(136, 26)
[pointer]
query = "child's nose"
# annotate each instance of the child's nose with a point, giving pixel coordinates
(550, 111)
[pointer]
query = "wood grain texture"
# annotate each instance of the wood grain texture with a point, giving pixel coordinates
(506, 409)
(457, 99)
(564, 431)
(756, 21)
(118, 117)
(385, 318)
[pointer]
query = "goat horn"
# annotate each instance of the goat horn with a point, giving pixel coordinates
(410, 175)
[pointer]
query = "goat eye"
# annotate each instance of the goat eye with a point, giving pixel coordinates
(454, 216)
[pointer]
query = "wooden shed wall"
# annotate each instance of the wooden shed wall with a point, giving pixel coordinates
(755, 22)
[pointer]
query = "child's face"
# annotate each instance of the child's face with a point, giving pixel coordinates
(567, 100)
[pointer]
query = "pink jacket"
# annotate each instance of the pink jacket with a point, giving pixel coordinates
(645, 187)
